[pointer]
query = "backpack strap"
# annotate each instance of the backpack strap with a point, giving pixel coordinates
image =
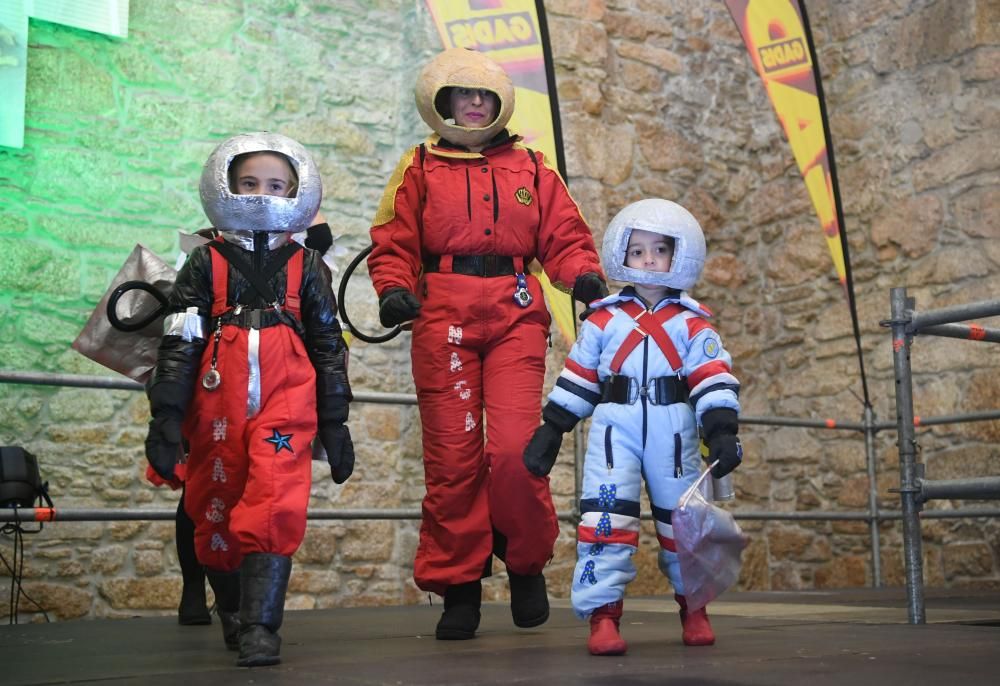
(225, 254)
(293, 284)
(220, 283)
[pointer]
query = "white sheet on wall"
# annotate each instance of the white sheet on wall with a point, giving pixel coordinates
(13, 71)
(100, 16)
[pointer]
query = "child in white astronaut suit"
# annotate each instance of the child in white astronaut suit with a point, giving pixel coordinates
(650, 370)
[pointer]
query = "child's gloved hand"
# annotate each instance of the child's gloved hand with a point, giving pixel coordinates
(163, 443)
(542, 450)
(728, 450)
(397, 305)
(721, 426)
(336, 440)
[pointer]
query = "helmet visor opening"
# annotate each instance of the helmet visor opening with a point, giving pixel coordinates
(443, 103)
(238, 161)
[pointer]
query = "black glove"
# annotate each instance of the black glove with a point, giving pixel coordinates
(163, 443)
(540, 454)
(721, 426)
(397, 305)
(589, 287)
(319, 237)
(336, 440)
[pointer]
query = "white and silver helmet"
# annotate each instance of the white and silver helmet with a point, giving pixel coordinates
(459, 67)
(667, 219)
(229, 211)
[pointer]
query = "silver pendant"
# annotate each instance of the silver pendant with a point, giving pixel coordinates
(211, 380)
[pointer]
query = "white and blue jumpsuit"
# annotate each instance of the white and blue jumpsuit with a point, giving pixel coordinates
(625, 346)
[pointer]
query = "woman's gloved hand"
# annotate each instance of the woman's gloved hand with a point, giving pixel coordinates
(397, 305)
(588, 288)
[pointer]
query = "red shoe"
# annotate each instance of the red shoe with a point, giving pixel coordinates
(604, 637)
(697, 629)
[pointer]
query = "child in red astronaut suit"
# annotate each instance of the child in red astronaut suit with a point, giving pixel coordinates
(251, 366)
(462, 216)
(192, 609)
(650, 370)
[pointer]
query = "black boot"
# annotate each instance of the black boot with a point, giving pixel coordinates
(264, 582)
(529, 602)
(193, 608)
(226, 586)
(460, 618)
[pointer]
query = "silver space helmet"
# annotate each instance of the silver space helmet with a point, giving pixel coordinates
(667, 219)
(231, 212)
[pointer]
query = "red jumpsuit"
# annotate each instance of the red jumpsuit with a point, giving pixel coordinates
(249, 466)
(476, 352)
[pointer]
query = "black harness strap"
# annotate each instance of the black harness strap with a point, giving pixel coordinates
(259, 280)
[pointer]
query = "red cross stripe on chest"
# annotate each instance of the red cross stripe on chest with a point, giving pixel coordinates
(648, 324)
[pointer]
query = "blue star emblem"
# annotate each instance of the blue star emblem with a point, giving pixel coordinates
(280, 440)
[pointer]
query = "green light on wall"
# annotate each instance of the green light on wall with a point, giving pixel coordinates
(100, 16)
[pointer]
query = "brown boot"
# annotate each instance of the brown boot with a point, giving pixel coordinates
(697, 628)
(604, 637)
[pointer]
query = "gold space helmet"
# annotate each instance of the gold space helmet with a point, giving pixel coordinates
(459, 67)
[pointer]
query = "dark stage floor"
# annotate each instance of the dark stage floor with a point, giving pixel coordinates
(852, 638)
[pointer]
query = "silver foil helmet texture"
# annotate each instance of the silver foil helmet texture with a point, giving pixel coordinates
(667, 219)
(231, 212)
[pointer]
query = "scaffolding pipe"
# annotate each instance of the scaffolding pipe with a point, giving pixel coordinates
(946, 315)
(28, 515)
(870, 463)
(979, 488)
(972, 332)
(909, 472)
(113, 383)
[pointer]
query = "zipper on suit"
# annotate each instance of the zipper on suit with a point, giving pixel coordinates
(678, 451)
(468, 194)
(609, 453)
(496, 199)
(642, 396)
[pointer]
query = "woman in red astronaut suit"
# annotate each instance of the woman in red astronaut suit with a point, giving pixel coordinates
(462, 217)
(252, 364)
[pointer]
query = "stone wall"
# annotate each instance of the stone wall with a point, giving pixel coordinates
(657, 98)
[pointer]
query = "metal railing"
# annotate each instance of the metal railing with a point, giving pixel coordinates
(914, 489)
(868, 426)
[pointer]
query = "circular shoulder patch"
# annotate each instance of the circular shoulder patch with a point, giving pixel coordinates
(711, 347)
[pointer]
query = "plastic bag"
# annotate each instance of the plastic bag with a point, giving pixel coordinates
(131, 354)
(709, 545)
